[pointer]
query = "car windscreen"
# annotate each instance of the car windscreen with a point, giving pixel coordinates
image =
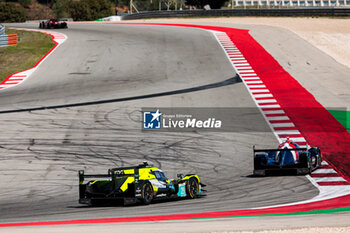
(160, 175)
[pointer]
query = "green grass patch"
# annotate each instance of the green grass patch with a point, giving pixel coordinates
(30, 48)
(343, 117)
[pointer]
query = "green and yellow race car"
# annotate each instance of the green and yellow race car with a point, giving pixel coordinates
(143, 183)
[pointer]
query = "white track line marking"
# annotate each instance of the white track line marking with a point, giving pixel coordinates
(266, 112)
(287, 132)
(238, 58)
(278, 118)
(251, 78)
(246, 71)
(328, 179)
(283, 125)
(242, 64)
(270, 106)
(298, 139)
(244, 68)
(324, 170)
(246, 75)
(240, 61)
(253, 82)
(256, 86)
(262, 95)
(266, 101)
(259, 91)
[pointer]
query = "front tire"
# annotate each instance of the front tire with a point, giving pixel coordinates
(192, 188)
(147, 193)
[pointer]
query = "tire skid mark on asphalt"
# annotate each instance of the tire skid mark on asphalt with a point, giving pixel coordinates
(321, 202)
(281, 125)
(19, 77)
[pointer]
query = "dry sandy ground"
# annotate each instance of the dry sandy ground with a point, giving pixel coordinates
(331, 35)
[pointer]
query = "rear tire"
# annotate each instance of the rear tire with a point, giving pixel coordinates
(94, 203)
(147, 193)
(259, 172)
(192, 188)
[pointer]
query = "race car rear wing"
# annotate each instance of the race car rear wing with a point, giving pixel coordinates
(143, 165)
(284, 149)
(114, 173)
(116, 176)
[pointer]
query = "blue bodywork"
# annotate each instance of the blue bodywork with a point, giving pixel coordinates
(277, 158)
(286, 154)
(289, 156)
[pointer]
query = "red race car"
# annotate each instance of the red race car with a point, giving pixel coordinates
(53, 23)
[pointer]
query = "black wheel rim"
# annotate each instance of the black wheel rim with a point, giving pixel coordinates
(193, 187)
(148, 193)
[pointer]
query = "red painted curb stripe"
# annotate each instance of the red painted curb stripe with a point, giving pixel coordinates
(264, 98)
(256, 79)
(284, 128)
(261, 93)
(16, 79)
(268, 103)
(315, 175)
(324, 130)
(280, 121)
(290, 135)
(275, 123)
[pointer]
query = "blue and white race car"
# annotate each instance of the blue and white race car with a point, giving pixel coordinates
(289, 157)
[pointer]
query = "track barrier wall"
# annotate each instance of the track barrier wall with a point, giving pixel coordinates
(12, 39)
(2, 30)
(7, 40)
(306, 12)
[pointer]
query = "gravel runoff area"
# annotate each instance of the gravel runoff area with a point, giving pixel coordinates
(331, 35)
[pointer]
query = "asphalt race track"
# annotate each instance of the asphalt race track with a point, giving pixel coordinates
(41, 151)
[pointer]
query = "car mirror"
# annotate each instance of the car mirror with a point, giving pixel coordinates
(180, 176)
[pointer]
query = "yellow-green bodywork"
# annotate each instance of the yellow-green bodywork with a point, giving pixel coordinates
(146, 174)
(136, 183)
